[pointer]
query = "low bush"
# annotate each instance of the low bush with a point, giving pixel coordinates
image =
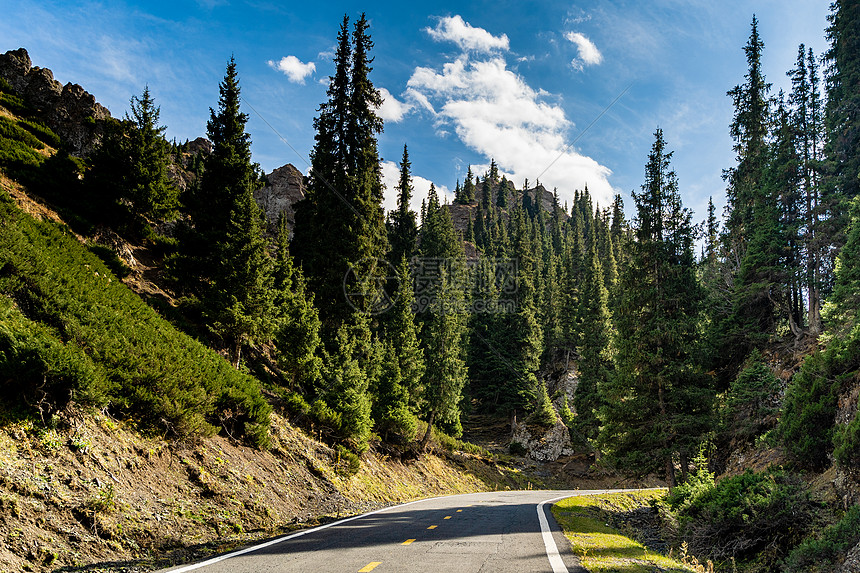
(749, 517)
(806, 427)
(822, 553)
(752, 402)
(155, 375)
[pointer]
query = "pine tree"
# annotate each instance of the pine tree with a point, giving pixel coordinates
(403, 230)
(749, 132)
(403, 332)
(843, 100)
(486, 194)
(594, 364)
(468, 187)
(297, 340)
(658, 401)
(130, 168)
(443, 322)
(340, 227)
(237, 291)
(806, 122)
(148, 187)
(445, 375)
(344, 405)
(502, 195)
(390, 410)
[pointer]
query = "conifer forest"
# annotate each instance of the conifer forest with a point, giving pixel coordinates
(689, 337)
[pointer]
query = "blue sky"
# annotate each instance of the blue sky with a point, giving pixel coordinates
(464, 82)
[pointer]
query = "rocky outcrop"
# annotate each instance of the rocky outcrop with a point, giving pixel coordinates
(549, 444)
(69, 110)
(541, 444)
(852, 561)
(285, 188)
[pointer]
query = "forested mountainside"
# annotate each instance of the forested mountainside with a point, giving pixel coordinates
(177, 288)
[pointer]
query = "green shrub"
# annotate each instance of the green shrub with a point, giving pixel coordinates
(111, 259)
(156, 375)
(14, 104)
(10, 129)
(846, 442)
(698, 484)
(752, 401)
(42, 133)
(808, 416)
(346, 463)
(39, 370)
(5, 87)
(821, 553)
(752, 516)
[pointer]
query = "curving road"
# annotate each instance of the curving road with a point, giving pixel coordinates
(495, 532)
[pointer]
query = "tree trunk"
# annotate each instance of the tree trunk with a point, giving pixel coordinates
(670, 473)
(685, 466)
(426, 439)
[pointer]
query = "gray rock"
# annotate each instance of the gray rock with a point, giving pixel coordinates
(852, 561)
(70, 111)
(286, 187)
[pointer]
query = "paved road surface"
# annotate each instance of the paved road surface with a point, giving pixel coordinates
(494, 532)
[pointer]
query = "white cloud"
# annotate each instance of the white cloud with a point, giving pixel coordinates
(496, 113)
(392, 109)
(294, 69)
(589, 55)
(467, 37)
(420, 185)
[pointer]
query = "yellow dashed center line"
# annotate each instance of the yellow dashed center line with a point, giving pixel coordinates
(459, 510)
(370, 566)
(407, 542)
(447, 517)
(433, 527)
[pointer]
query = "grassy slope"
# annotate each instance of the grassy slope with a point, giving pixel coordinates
(604, 549)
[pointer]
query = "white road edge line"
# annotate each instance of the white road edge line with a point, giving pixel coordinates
(552, 554)
(285, 538)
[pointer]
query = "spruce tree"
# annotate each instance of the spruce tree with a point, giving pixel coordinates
(468, 187)
(148, 187)
(843, 99)
(657, 403)
(403, 230)
(391, 413)
(340, 232)
(594, 363)
(297, 339)
(402, 331)
(749, 129)
(237, 290)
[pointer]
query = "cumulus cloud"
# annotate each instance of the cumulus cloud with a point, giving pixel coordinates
(496, 113)
(293, 68)
(392, 109)
(589, 55)
(420, 185)
(467, 37)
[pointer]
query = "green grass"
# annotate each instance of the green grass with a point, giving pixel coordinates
(602, 548)
(77, 322)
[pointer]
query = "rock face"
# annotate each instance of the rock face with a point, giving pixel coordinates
(72, 112)
(286, 187)
(852, 561)
(544, 445)
(547, 445)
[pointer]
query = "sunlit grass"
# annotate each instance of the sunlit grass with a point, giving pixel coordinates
(602, 548)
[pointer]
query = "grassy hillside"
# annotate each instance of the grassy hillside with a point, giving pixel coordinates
(72, 330)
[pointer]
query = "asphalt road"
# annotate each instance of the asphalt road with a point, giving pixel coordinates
(494, 532)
